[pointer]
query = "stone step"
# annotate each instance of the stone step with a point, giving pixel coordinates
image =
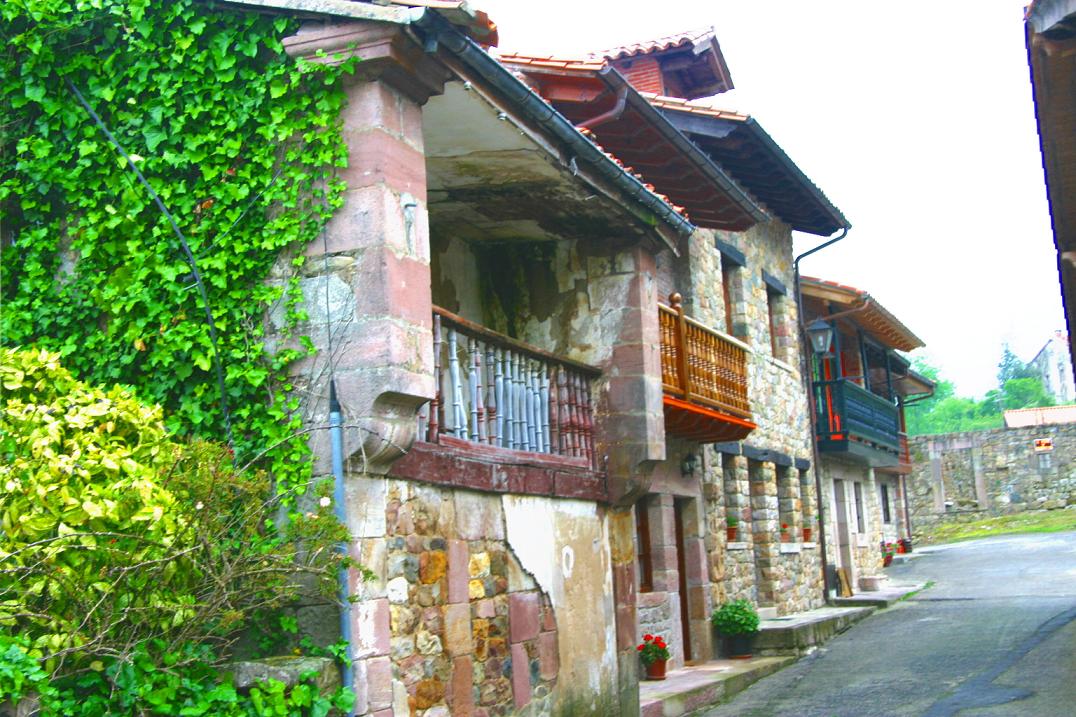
(795, 634)
(697, 687)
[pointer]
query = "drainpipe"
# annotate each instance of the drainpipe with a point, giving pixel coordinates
(336, 436)
(618, 109)
(805, 365)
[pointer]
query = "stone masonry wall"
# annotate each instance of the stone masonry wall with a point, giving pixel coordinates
(991, 472)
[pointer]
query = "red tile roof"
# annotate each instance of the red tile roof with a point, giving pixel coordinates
(550, 62)
(655, 45)
(693, 107)
(875, 317)
(1020, 417)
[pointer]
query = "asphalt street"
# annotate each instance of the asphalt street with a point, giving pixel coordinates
(995, 635)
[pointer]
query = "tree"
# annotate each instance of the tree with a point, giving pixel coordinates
(1010, 367)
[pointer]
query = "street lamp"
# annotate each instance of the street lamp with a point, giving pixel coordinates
(821, 335)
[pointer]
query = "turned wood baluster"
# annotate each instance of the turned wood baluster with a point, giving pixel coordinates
(492, 401)
(565, 413)
(478, 411)
(459, 414)
(436, 409)
(518, 408)
(586, 417)
(544, 409)
(507, 434)
(573, 416)
(554, 412)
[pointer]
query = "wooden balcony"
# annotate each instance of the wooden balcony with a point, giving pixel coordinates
(497, 394)
(704, 375)
(850, 419)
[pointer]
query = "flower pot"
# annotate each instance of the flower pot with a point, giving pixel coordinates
(731, 532)
(786, 538)
(656, 670)
(907, 544)
(887, 561)
(806, 535)
(741, 646)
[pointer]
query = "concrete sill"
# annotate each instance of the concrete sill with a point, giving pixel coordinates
(787, 548)
(809, 545)
(736, 546)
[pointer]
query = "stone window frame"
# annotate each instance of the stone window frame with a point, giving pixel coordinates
(885, 502)
(777, 307)
(644, 562)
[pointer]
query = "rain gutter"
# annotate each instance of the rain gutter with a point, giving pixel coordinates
(437, 32)
(805, 373)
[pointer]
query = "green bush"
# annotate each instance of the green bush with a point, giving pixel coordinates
(117, 537)
(738, 617)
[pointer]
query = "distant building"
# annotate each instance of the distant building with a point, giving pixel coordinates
(1047, 415)
(1053, 366)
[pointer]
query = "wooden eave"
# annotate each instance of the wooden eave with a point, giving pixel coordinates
(1051, 50)
(582, 95)
(872, 316)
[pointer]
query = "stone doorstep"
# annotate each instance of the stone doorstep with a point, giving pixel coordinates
(881, 599)
(698, 687)
(795, 634)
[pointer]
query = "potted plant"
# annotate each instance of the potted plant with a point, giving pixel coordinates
(732, 524)
(906, 543)
(785, 536)
(888, 551)
(737, 623)
(808, 521)
(654, 653)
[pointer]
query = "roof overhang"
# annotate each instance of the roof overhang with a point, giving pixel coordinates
(621, 120)
(740, 145)
(1051, 49)
(691, 62)
(870, 315)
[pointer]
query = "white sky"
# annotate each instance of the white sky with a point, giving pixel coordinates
(916, 120)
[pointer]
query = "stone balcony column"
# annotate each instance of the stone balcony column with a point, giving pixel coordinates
(375, 250)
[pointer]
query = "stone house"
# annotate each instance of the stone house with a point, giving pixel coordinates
(860, 388)
(547, 291)
(1054, 367)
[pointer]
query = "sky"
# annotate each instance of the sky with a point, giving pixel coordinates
(916, 120)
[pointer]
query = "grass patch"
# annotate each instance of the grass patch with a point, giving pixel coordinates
(926, 586)
(1037, 521)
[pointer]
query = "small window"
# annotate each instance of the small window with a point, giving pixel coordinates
(886, 516)
(1045, 461)
(728, 275)
(858, 490)
(773, 300)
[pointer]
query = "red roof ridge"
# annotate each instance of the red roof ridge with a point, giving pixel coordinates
(645, 47)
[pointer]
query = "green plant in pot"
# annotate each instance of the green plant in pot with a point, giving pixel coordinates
(737, 622)
(732, 524)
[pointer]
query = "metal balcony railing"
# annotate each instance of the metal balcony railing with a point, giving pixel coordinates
(496, 391)
(701, 365)
(845, 410)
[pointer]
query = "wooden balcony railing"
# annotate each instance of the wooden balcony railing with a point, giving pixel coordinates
(845, 410)
(496, 391)
(700, 365)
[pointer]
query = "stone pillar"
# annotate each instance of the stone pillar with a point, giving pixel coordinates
(375, 255)
(622, 549)
(765, 527)
(631, 423)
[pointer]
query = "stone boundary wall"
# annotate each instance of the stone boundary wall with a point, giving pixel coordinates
(991, 473)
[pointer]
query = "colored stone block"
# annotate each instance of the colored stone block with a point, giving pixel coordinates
(523, 616)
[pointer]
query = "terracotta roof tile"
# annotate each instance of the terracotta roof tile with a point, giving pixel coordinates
(550, 62)
(656, 45)
(692, 107)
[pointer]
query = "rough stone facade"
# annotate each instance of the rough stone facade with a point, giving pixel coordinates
(991, 473)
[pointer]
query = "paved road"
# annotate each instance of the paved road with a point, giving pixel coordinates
(994, 637)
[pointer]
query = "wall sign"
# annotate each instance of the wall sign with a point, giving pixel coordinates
(1044, 445)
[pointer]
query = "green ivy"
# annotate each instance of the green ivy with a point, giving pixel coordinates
(241, 143)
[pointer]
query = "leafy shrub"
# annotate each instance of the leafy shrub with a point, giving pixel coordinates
(117, 537)
(738, 617)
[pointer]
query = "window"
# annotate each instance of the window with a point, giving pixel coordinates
(1045, 461)
(787, 499)
(857, 488)
(886, 516)
(728, 275)
(775, 307)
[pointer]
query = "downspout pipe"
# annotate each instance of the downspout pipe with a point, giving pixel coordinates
(805, 371)
(609, 116)
(336, 438)
(438, 32)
